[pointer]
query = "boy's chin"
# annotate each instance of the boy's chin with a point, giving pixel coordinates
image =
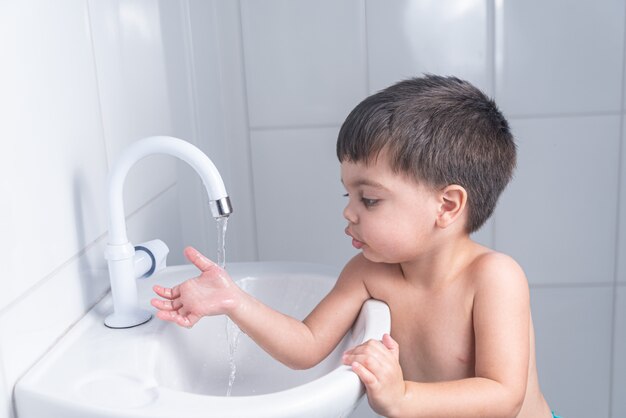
(372, 256)
(375, 257)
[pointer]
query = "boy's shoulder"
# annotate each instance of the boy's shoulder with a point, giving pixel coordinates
(491, 269)
(487, 260)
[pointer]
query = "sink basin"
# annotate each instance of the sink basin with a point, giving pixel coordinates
(161, 370)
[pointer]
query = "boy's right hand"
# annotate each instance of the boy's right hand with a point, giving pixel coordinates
(211, 293)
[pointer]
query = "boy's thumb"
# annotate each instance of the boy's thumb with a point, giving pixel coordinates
(198, 259)
(391, 345)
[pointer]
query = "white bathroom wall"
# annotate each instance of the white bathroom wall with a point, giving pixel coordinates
(563, 217)
(80, 81)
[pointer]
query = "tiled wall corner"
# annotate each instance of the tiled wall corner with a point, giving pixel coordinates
(621, 241)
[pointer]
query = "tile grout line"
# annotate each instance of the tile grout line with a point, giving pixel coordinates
(294, 127)
(556, 115)
(582, 285)
(99, 98)
(620, 163)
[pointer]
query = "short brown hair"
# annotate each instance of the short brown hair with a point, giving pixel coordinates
(439, 130)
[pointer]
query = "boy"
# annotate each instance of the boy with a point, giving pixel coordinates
(423, 163)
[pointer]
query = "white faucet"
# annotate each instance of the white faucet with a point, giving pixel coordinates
(119, 251)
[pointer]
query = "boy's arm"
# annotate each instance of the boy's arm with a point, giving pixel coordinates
(298, 344)
(501, 318)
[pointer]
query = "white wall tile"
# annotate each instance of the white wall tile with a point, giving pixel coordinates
(298, 196)
(557, 57)
(619, 353)
(557, 217)
(573, 335)
(53, 173)
(304, 60)
(132, 54)
(406, 38)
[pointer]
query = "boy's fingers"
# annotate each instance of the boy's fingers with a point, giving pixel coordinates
(198, 259)
(166, 292)
(183, 321)
(166, 305)
(162, 291)
(167, 315)
(368, 378)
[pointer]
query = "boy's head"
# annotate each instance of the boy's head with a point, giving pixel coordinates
(438, 131)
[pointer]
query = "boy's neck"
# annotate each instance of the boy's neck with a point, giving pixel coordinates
(441, 264)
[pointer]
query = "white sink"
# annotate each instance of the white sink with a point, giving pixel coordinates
(161, 370)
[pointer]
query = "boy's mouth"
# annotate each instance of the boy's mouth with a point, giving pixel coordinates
(355, 242)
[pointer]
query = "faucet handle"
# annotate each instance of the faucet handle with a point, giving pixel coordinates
(150, 257)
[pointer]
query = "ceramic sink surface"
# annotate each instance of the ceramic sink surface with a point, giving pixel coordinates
(161, 370)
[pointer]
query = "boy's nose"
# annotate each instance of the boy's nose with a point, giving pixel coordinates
(349, 214)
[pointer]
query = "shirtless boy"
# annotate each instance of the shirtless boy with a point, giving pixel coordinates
(423, 163)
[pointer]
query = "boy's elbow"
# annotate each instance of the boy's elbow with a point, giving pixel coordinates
(298, 365)
(512, 403)
(302, 362)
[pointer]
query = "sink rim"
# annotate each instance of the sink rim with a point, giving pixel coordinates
(168, 399)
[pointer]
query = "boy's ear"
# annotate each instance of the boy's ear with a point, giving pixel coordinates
(453, 200)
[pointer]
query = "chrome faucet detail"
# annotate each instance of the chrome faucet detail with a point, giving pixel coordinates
(119, 251)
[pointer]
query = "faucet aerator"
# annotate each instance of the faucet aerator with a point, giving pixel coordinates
(221, 208)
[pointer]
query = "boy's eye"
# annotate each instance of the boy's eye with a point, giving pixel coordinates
(369, 202)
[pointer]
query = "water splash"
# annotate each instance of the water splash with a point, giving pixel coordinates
(232, 333)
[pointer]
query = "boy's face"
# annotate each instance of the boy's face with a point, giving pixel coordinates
(390, 216)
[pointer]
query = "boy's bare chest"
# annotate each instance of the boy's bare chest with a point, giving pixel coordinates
(435, 333)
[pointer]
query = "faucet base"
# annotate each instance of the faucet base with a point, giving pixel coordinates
(127, 320)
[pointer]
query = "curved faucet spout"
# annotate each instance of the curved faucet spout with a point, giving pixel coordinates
(119, 252)
(219, 200)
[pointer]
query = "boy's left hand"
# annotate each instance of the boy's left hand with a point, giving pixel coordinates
(377, 365)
